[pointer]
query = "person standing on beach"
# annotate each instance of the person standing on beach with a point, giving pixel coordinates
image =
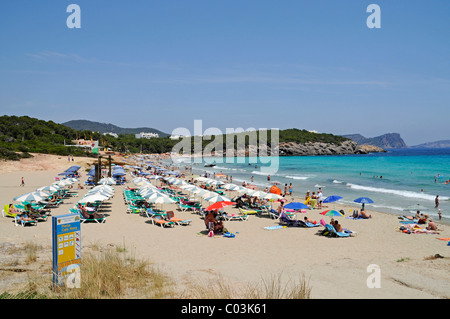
(290, 189)
(436, 201)
(22, 183)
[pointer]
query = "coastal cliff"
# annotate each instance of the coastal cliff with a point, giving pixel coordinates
(347, 147)
(318, 148)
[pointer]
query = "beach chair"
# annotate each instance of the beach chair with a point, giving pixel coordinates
(171, 217)
(234, 217)
(291, 222)
(331, 232)
(248, 211)
(6, 213)
(100, 220)
(158, 220)
(274, 214)
(24, 223)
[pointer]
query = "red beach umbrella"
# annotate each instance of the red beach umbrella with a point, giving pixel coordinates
(275, 190)
(219, 205)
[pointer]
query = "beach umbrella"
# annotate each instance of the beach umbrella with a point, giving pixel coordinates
(161, 200)
(107, 187)
(217, 198)
(100, 191)
(31, 197)
(231, 187)
(275, 190)
(107, 181)
(49, 189)
(363, 201)
(272, 196)
(331, 199)
(219, 205)
(62, 183)
(333, 213)
(93, 198)
(296, 206)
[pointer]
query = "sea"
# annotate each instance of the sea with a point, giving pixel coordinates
(399, 181)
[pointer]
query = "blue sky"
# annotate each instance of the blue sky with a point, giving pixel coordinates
(252, 64)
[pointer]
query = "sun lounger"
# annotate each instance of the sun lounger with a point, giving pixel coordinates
(6, 213)
(158, 220)
(100, 220)
(234, 217)
(248, 211)
(330, 231)
(24, 223)
(171, 217)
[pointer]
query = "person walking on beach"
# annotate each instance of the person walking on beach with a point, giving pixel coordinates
(22, 183)
(436, 201)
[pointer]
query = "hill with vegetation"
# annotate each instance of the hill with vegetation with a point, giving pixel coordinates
(22, 135)
(389, 140)
(85, 125)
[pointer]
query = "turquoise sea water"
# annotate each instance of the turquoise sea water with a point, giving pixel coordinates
(395, 181)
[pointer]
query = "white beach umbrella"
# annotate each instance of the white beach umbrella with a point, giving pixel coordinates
(259, 194)
(62, 183)
(188, 187)
(217, 198)
(93, 198)
(99, 191)
(106, 187)
(107, 181)
(231, 187)
(49, 189)
(248, 191)
(272, 196)
(31, 197)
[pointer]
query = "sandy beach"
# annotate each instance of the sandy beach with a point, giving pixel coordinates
(335, 267)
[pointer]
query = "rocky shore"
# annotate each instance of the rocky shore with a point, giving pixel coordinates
(308, 149)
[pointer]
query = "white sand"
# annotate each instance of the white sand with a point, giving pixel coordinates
(335, 267)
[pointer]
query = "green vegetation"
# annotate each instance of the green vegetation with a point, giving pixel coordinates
(20, 136)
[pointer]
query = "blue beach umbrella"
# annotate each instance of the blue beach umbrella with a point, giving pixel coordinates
(331, 199)
(296, 205)
(363, 200)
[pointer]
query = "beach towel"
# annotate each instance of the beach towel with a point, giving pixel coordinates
(274, 227)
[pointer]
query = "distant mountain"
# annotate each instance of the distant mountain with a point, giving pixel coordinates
(437, 144)
(106, 128)
(385, 141)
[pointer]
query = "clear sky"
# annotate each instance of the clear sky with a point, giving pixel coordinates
(231, 63)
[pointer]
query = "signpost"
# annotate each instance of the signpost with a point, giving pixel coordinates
(66, 250)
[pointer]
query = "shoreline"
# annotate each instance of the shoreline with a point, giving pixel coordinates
(334, 266)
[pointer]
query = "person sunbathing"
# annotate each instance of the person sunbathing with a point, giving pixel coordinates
(35, 212)
(309, 220)
(337, 226)
(432, 225)
(212, 223)
(23, 217)
(87, 214)
(362, 214)
(12, 210)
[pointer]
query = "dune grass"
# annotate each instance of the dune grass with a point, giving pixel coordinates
(115, 273)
